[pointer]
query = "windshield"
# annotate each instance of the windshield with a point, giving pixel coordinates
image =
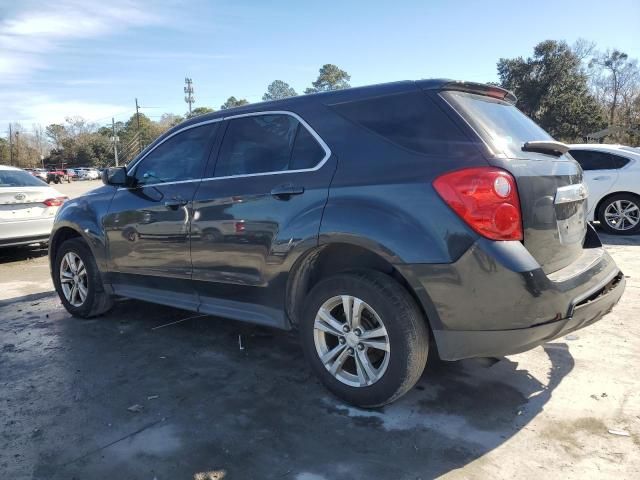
(501, 125)
(18, 178)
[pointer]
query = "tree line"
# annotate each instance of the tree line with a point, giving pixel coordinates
(576, 93)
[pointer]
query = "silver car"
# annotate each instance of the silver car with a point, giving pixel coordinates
(27, 207)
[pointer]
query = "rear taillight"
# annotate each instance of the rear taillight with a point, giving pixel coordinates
(486, 198)
(55, 202)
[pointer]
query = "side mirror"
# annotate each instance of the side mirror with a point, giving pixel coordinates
(116, 176)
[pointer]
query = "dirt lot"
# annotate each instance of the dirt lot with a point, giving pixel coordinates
(206, 405)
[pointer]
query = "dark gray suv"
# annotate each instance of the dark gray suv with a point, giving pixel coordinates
(377, 221)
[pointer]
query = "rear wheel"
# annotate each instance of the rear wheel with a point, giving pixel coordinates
(620, 214)
(365, 337)
(77, 280)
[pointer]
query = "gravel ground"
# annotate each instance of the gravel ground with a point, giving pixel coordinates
(118, 397)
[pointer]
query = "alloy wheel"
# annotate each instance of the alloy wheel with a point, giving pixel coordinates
(622, 215)
(351, 341)
(73, 279)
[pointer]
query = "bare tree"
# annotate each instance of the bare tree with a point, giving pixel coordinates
(617, 78)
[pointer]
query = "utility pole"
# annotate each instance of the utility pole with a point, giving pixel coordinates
(188, 92)
(115, 140)
(10, 146)
(138, 122)
(17, 149)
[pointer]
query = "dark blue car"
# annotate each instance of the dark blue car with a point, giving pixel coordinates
(378, 221)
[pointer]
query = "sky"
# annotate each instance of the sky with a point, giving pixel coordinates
(93, 58)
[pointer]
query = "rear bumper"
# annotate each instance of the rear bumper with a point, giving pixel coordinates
(496, 300)
(25, 232)
(456, 345)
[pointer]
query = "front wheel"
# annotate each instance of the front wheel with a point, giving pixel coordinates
(364, 337)
(77, 280)
(620, 214)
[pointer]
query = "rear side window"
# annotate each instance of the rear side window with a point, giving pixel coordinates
(501, 125)
(593, 160)
(411, 120)
(18, 178)
(307, 152)
(267, 143)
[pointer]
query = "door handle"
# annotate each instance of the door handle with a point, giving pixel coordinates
(602, 177)
(175, 203)
(286, 191)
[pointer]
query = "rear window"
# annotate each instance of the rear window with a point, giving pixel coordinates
(18, 178)
(501, 125)
(411, 120)
(593, 160)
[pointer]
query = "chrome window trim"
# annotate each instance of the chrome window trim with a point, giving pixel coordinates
(314, 134)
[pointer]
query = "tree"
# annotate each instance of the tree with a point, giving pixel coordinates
(199, 111)
(5, 156)
(277, 90)
(618, 77)
(553, 90)
(56, 133)
(143, 136)
(330, 78)
(233, 102)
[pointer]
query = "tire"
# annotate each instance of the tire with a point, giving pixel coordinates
(608, 214)
(48, 181)
(56, 180)
(96, 300)
(396, 370)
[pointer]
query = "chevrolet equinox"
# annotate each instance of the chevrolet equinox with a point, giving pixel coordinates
(377, 221)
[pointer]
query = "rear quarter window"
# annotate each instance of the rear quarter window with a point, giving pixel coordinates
(410, 120)
(594, 160)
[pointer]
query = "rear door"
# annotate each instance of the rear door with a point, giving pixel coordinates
(148, 224)
(262, 205)
(600, 172)
(552, 195)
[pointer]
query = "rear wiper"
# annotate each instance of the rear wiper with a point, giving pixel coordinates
(550, 147)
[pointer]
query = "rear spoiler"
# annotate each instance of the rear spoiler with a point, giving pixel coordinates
(481, 89)
(550, 147)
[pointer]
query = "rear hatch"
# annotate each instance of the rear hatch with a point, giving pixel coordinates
(25, 203)
(552, 196)
(22, 196)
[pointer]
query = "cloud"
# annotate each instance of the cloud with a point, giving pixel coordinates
(29, 36)
(34, 33)
(44, 109)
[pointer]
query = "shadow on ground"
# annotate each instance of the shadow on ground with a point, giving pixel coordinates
(19, 254)
(206, 405)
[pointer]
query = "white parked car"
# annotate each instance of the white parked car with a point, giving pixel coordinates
(612, 175)
(88, 173)
(91, 174)
(27, 207)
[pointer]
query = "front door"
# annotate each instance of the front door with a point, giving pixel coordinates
(148, 224)
(261, 207)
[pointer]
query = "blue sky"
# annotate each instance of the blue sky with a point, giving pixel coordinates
(88, 58)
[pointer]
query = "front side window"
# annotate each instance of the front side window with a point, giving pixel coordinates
(266, 143)
(181, 157)
(593, 160)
